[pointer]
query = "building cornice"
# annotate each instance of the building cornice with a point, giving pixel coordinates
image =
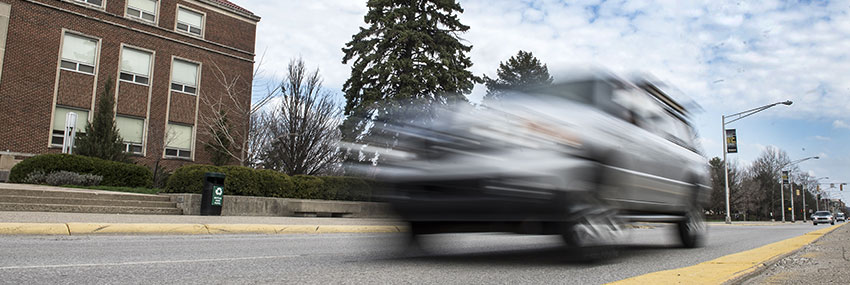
(152, 33)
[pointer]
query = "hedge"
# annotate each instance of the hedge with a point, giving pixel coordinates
(114, 173)
(269, 183)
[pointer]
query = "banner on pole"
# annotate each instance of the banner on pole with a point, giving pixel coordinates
(731, 141)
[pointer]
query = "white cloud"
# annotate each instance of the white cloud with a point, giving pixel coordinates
(822, 138)
(839, 124)
(726, 55)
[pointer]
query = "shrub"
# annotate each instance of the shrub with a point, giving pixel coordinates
(36, 177)
(239, 181)
(269, 183)
(190, 179)
(60, 178)
(113, 173)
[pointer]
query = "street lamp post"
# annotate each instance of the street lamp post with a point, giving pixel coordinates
(723, 121)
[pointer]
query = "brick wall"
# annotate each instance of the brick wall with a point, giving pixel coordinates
(29, 81)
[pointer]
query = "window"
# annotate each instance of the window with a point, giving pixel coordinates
(98, 3)
(59, 117)
(132, 132)
(142, 9)
(190, 22)
(135, 65)
(184, 76)
(178, 141)
(78, 53)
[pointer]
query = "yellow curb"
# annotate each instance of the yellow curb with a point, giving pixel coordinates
(107, 228)
(32, 229)
(244, 228)
(728, 267)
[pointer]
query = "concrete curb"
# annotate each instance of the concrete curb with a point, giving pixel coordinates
(731, 267)
(184, 229)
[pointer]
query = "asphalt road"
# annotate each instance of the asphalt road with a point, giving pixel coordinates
(355, 258)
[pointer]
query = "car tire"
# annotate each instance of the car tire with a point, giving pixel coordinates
(833, 223)
(692, 229)
(593, 230)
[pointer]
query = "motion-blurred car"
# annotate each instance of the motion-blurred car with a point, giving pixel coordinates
(840, 217)
(577, 158)
(822, 217)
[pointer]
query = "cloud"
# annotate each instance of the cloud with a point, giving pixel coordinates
(839, 124)
(722, 54)
(822, 138)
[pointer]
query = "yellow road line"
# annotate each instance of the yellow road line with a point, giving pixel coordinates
(731, 266)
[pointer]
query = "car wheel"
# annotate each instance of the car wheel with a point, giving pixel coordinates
(692, 230)
(593, 230)
(833, 223)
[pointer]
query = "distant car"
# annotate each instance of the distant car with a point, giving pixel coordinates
(840, 217)
(822, 217)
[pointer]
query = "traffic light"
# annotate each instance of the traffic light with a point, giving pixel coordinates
(841, 187)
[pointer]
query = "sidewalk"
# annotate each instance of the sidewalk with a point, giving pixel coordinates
(826, 261)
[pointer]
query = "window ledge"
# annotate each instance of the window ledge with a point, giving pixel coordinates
(77, 71)
(143, 21)
(88, 5)
(177, 158)
(134, 82)
(181, 92)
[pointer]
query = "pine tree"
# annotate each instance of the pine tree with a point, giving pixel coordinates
(101, 138)
(410, 52)
(519, 72)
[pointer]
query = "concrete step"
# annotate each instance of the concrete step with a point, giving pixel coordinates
(88, 209)
(83, 194)
(80, 201)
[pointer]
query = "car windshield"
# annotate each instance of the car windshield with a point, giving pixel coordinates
(580, 91)
(822, 213)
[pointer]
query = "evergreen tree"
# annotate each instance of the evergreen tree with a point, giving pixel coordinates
(219, 142)
(101, 138)
(520, 71)
(409, 54)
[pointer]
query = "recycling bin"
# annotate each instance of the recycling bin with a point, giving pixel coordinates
(212, 198)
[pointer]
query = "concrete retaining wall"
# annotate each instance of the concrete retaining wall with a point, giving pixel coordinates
(265, 206)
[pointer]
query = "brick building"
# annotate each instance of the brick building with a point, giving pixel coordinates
(163, 58)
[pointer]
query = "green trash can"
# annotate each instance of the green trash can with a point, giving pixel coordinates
(212, 198)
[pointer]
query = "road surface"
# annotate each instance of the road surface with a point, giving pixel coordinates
(356, 258)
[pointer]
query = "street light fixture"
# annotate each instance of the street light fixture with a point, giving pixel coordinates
(738, 116)
(790, 186)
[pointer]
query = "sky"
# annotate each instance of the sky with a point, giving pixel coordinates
(728, 56)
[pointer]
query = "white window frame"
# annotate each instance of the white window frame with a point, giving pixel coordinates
(182, 88)
(128, 144)
(60, 134)
(63, 63)
(87, 3)
(134, 77)
(180, 153)
(188, 29)
(127, 14)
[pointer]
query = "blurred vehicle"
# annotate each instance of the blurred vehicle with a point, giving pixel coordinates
(822, 217)
(840, 217)
(577, 158)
